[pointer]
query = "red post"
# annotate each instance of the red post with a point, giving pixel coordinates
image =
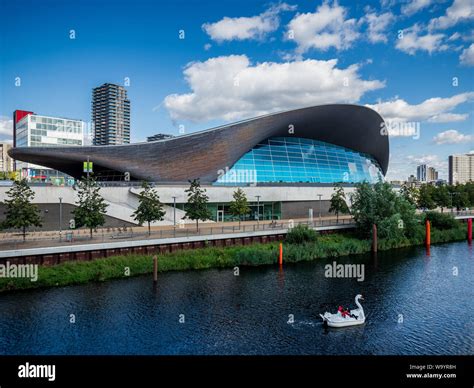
(374, 238)
(469, 230)
(280, 258)
(428, 233)
(155, 269)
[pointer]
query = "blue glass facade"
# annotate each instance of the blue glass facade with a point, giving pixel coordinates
(293, 160)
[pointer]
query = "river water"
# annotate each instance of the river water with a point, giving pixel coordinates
(415, 305)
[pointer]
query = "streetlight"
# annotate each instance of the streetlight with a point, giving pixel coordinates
(320, 220)
(174, 215)
(60, 217)
(258, 210)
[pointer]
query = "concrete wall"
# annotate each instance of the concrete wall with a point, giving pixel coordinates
(50, 216)
(300, 209)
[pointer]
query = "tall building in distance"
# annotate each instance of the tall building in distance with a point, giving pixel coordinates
(421, 172)
(426, 174)
(6, 163)
(110, 115)
(461, 168)
(432, 175)
(159, 136)
(32, 130)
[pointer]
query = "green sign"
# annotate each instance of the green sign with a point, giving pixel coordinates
(87, 166)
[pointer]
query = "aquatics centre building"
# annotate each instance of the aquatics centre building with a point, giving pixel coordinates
(287, 162)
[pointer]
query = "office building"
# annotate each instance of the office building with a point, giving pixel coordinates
(6, 162)
(461, 168)
(110, 115)
(33, 131)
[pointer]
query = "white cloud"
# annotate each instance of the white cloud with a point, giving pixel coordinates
(323, 29)
(401, 166)
(451, 136)
(448, 117)
(467, 56)
(377, 25)
(207, 46)
(414, 6)
(412, 41)
(6, 127)
(459, 11)
(432, 109)
(230, 87)
(243, 28)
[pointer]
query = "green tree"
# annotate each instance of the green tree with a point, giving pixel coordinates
(441, 197)
(91, 207)
(21, 213)
(338, 202)
(379, 204)
(239, 207)
(196, 206)
(426, 197)
(410, 193)
(149, 206)
(460, 196)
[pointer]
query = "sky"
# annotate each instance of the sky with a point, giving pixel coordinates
(191, 65)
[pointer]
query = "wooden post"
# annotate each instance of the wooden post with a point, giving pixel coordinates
(155, 269)
(428, 233)
(469, 230)
(280, 258)
(374, 238)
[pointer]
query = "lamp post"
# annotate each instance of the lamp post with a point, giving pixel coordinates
(60, 217)
(174, 215)
(320, 219)
(258, 210)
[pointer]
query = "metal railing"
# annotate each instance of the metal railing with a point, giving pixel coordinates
(70, 237)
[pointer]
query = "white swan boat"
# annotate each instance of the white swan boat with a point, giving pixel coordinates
(356, 317)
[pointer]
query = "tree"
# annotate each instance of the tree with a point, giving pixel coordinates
(149, 206)
(239, 206)
(441, 197)
(91, 207)
(425, 197)
(460, 197)
(196, 207)
(409, 193)
(338, 202)
(20, 212)
(379, 204)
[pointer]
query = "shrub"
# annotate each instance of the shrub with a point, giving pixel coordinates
(300, 234)
(441, 221)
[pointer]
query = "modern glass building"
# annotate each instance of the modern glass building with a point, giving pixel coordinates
(33, 130)
(300, 160)
(285, 162)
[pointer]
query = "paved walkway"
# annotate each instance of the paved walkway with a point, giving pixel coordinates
(9, 241)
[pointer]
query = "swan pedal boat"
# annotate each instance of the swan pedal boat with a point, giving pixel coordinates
(337, 320)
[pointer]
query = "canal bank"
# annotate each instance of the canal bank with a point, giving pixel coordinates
(117, 267)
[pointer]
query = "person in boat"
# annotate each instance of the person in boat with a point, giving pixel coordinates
(340, 310)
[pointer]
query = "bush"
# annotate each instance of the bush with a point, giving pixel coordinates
(300, 234)
(440, 220)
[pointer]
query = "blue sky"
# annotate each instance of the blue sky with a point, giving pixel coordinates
(412, 61)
